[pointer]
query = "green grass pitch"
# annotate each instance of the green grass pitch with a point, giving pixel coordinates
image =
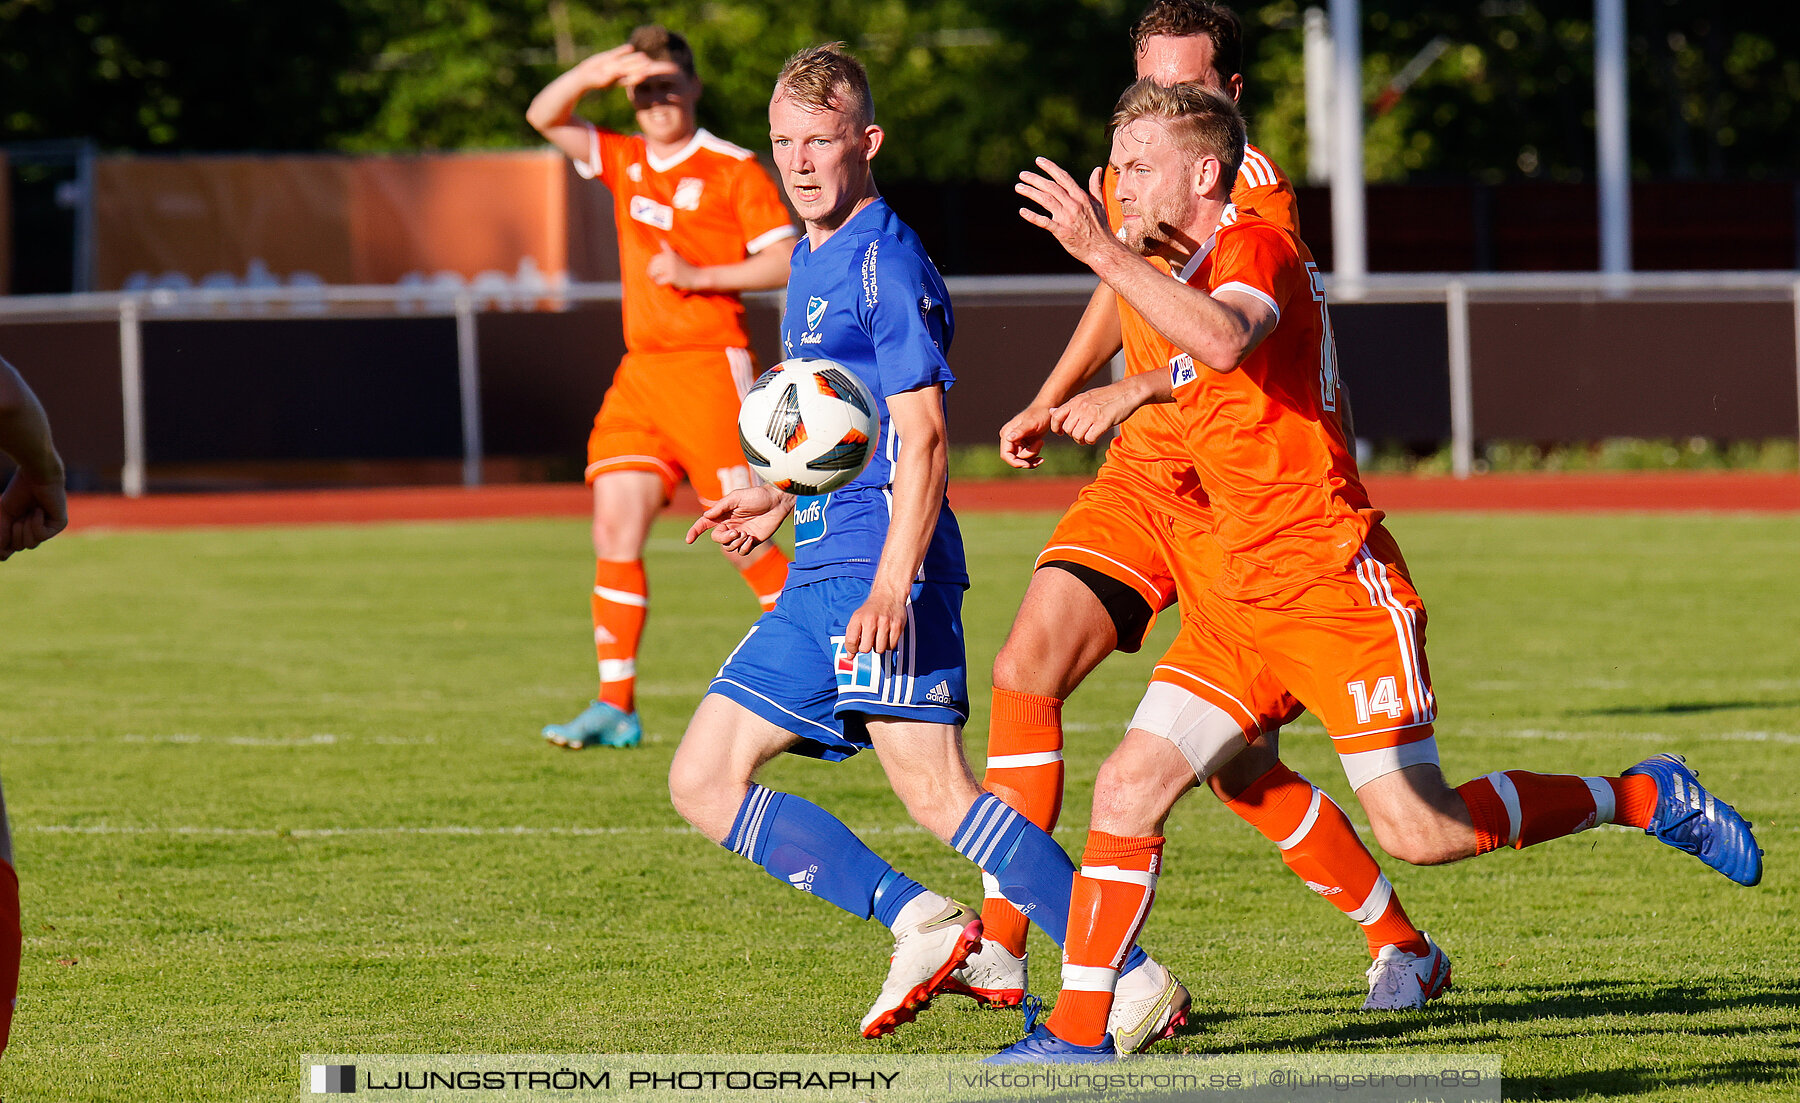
(280, 791)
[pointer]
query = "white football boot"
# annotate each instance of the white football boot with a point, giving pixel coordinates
(1399, 981)
(992, 977)
(1148, 1005)
(932, 936)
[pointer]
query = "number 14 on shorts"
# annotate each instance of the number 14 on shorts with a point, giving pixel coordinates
(1385, 699)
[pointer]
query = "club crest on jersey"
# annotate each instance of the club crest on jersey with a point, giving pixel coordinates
(1181, 369)
(651, 213)
(634, 172)
(815, 311)
(687, 193)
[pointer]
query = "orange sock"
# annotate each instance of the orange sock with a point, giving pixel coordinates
(1108, 904)
(1521, 809)
(1024, 769)
(12, 948)
(621, 598)
(1634, 799)
(765, 575)
(1318, 843)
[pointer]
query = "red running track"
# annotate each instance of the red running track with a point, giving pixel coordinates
(1673, 492)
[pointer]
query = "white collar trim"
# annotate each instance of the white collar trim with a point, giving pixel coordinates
(658, 164)
(1199, 257)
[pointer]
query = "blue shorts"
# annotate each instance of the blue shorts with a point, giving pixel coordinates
(791, 669)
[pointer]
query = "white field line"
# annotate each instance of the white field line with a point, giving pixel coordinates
(1647, 737)
(1302, 728)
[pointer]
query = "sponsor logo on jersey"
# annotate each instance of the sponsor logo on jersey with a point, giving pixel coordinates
(687, 193)
(651, 213)
(634, 172)
(1181, 369)
(856, 672)
(815, 311)
(871, 293)
(809, 519)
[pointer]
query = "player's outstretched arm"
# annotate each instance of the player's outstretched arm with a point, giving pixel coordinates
(1218, 332)
(743, 520)
(763, 271)
(1095, 341)
(1092, 414)
(552, 111)
(34, 506)
(920, 473)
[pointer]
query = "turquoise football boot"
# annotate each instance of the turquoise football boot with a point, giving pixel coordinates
(599, 725)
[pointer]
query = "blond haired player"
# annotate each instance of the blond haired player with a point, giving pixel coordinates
(1313, 594)
(699, 221)
(1110, 567)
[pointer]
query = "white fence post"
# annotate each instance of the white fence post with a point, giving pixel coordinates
(1462, 400)
(131, 384)
(468, 375)
(1797, 359)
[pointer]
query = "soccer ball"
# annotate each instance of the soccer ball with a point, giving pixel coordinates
(808, 426)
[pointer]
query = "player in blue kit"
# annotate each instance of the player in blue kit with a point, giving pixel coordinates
(864, 648)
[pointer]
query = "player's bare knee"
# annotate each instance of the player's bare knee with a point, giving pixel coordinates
(1421, 841)
(1130, 796)
(1024, 666)
(700, 799)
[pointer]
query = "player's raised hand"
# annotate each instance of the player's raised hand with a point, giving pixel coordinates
(878, 624)
(667, 268)
(743, 520)
(1074, 215)
(1022, 438)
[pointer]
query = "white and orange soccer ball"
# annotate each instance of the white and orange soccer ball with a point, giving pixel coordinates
(808, 426)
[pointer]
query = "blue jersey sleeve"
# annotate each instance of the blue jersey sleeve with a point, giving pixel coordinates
(904, 309)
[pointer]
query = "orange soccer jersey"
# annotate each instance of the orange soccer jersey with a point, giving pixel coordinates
(1152, 443)
(1266, 439)
(672, 408)
(712, 204)
(1313, 592)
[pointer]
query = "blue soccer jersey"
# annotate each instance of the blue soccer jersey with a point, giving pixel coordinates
(871, 300)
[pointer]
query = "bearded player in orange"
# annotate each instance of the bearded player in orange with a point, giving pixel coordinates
(1109, 569)
(1313, 594)
(699, 222)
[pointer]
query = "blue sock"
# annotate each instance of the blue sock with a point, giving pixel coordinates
(1034, 872)
(803, 845)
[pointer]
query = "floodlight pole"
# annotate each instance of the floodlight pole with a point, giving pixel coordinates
(1611, 135)
(1349, 243)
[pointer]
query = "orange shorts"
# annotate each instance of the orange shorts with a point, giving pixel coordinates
(675, 414)
(1350, 646)
(1109, 529)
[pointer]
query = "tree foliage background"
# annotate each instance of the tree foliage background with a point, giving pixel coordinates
(968, 89)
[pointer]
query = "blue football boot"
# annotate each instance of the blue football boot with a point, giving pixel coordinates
(1040, 1047)
(599, 725)
(1689, 818)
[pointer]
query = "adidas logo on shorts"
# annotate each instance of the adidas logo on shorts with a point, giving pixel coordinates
(940, 694)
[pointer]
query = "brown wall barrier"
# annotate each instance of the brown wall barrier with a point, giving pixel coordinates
(262, 391)
(1583, 371)
(340, 220)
